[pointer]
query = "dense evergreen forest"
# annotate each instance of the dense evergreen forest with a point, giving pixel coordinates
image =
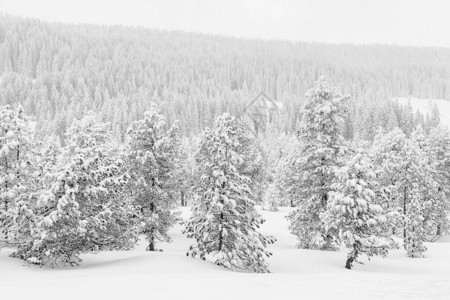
(58, 72)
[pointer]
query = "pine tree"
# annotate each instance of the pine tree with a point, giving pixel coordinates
(253, 167)
(16, 166)
(435, 118)
(288, 173)
(392, 122)
(354, 212)
(407, 124)
(184, 176)
(414, 223)
(278, 151)
(439, 151)
(272, 198)
(224, 221)
(322, 151)
(44, 162)
(154, 166)
(82, 207)
(436, 192)
(408, 173)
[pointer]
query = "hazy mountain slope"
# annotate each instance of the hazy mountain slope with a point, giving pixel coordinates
(59, 71)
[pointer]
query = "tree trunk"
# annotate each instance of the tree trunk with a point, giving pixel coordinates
(151, 245)
(404, 211)
(353, 255)
(225, 171)
(183, 203)
(324, 200)
(349, 262)
(220, 233)
(4, 221)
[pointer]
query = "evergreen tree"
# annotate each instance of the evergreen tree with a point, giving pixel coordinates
(435, 118)
(414, 223)
(253, 165)
(322, 151)
(83, 207)
(154, 167)
(439, 151)
(185, 174)
(354, 213)
(288, 173)
(224, 221)
(408, 174)
(16, 166)
(272, 198)
(279, 150)
(435, 214)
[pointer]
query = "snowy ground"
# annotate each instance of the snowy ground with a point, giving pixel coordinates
(296, 274)
(425, 105)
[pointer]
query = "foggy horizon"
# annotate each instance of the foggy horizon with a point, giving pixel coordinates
(421, 24)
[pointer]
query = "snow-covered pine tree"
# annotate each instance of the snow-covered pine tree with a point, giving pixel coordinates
(49, 156)
(83, 207)
(387, 149)
(288, 173)
(276, 147)
(253, 167)
(435, 118)
(439, 153)
(322, 151)
(354, 213)
(224, 221)
(272, 198)
(185, 174)
(16, 162)
(45, 162)
(435, 214)
(408, 174)
(414, 223)
(153, 159)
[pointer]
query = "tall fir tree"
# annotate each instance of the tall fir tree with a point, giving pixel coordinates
(409, 175)
(16, 167)
(224, 221)
(288, 173)
(435, 193)
(439, 151)
(153, 159)
(435, 117)
(322, 151)
(355, 213)
(414, 229)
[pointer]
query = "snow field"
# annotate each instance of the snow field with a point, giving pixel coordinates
(295, 274)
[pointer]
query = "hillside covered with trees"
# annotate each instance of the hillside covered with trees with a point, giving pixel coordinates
(58, 72)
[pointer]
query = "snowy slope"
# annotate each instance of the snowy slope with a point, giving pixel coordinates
(425, 105)
(296, 274)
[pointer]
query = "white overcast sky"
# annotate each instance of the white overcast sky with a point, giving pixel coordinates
(404, 22)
